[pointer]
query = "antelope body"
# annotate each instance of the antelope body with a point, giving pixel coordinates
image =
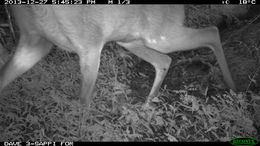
(148, 31)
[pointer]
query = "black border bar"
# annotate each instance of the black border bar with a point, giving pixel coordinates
(125, 2)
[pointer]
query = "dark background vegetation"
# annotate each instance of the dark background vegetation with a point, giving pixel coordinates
(194, 103)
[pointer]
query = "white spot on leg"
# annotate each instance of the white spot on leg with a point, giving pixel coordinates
(163, 38)
(152, 41)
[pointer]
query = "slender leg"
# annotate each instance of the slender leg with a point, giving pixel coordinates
(188, 39)
(209, 37)
(161, 63)
(30, 50)
(89, 65)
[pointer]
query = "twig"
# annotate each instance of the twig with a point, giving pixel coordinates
(10, 23)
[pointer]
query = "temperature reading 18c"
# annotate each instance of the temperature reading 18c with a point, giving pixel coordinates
(244, 2)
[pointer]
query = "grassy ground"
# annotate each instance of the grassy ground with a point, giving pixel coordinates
(193, 105)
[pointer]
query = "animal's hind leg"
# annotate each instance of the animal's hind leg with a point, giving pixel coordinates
(161, 63)
(188, 38)
(209, 37)
(30, 50)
